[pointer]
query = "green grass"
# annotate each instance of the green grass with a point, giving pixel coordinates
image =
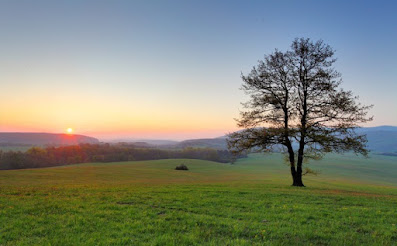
(354, 202)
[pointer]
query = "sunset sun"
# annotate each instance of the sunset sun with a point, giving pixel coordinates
(69, 130)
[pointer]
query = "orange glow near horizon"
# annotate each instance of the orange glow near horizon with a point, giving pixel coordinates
(114, 118)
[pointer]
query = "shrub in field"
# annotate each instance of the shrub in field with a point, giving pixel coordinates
(181, 167)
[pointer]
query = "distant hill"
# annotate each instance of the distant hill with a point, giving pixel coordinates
(151, 142)
(378, 128)
(28, 138)
(215, 143)
(381, 139)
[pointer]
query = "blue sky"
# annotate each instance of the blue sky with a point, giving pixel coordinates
(171, 69)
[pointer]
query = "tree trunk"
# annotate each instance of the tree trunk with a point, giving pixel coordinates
(297, 177)
(298, 174)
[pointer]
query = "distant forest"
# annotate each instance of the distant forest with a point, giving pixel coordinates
(37, 157)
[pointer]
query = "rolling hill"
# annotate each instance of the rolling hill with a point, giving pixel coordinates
(248, 203)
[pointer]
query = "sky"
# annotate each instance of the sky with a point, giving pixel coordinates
(171, 69)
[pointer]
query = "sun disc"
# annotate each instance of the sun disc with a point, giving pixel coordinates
(69, 130)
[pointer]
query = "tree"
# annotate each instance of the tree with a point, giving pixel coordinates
(296, 106)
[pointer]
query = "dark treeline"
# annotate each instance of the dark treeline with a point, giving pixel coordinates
(37, 157)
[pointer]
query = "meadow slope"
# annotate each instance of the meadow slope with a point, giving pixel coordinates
(353, 202)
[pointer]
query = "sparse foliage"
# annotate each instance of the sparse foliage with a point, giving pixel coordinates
(296, 106)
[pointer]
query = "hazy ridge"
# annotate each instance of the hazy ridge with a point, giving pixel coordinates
(381, 139)
(32, 138)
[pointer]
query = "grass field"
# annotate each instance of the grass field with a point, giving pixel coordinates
(352, 202)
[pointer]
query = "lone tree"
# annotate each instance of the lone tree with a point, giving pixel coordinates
(296, 106)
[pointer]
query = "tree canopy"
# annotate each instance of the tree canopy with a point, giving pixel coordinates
(296, 105)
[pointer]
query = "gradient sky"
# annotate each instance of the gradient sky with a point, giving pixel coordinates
(171, 69)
